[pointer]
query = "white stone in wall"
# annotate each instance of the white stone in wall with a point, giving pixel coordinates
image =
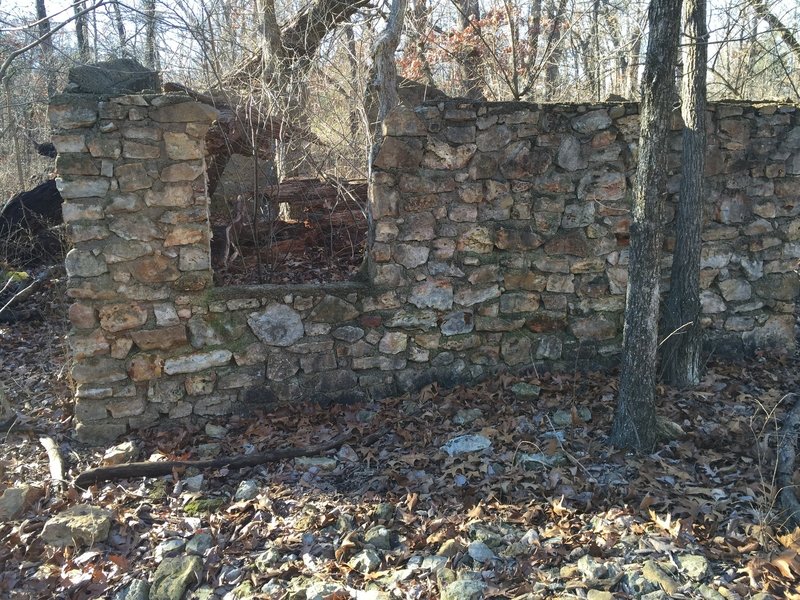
(84, 187)
(277, 325)
(711, 303)
(592, 121)
(81, 263)
(194, 259)
(193, 363)
(569, 154)
(69, 143)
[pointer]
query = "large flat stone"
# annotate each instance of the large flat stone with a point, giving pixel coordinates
(199, 361)
(80, 525)
(277, 325)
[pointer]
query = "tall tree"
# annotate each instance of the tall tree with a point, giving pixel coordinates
(417, 31)
(82, 30)
(635, 424)
(785, 33)
(681, 354)
(469, 13)
(150, 46)
(119, 25)
(287, 54)
(556, 14)
(385, 68)
(47, 46)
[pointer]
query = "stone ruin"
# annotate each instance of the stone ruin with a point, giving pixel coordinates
(498, 241)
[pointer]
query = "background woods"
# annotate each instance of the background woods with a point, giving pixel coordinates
(311, 62)
(422, 423)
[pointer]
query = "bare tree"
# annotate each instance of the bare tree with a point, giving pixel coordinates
(635, 424)
(385, 69)
(469, 14)
(786, 34)
(556, 15)
(119, 26)
(681, 355)
(417, 31)
(150, 44)
(82, 30)
(47, 46)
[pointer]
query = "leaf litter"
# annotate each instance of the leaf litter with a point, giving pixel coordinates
(541, 507)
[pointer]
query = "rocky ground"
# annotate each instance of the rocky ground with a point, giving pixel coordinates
(505, 490)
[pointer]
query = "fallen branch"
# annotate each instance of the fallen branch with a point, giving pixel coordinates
(159, 469)
(55, 462)
(784, 472)
(28, 291)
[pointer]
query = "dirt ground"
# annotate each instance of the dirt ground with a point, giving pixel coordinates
(538, 507)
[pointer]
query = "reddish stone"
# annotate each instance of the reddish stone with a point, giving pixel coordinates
(573, 243)
(119, 317)
(525, 281)
(154, 269)
(398, 154)
(160, 339)
(82, 316)
(517, 239)
(604, 138)
(144, 367)
(546, 324)
(371, 321)
(94, 344)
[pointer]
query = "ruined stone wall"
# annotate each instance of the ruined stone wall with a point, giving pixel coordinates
(511, 221)
(499, 241)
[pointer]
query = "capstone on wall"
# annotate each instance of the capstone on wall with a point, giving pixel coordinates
(499, 241)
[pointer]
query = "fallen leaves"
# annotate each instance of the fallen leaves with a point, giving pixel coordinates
(392, 513)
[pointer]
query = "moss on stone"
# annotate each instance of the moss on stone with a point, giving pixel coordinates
(202, 506)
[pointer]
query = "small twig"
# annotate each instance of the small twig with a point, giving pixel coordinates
(28, 291)
(55, 461)
(159, 469)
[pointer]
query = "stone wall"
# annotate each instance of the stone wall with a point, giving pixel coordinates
(499, 241)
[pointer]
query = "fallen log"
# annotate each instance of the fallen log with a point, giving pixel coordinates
(304, 191)
(159, 469)
(785, 468)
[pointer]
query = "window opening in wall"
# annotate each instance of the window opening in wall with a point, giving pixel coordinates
(288, 194)
(301, 230)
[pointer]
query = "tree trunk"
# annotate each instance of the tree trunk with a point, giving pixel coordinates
(385, 69)
(352, 62)
(556, 15)
(534, 31)
(468, 14)
(418, 39)
(681, 355)
(286, 58)
(633, 66)
(270, 38)
(150, 51)
(47, 46)
(635, 419)
(597, 78)
(119, 25)
(82, 31)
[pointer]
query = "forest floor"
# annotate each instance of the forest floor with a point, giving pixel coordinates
(541, 507)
